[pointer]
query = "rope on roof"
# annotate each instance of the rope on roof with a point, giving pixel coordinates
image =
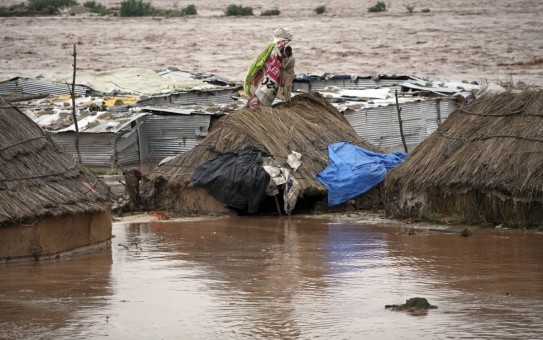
(41, 176)
(483, 137)
(21, 142)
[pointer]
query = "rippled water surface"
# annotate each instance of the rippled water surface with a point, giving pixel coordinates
(297, 278)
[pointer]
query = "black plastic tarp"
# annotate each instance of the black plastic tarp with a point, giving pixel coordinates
(235, 178)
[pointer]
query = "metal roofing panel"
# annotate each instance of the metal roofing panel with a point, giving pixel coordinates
(176, 110)
(103, 122)
(207, 97)
(194, 97)
(29, 86)
(439, 87)
(350, 82)
(206, 77)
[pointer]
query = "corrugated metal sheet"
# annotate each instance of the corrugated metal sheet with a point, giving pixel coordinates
(152, 139)
(97, 150)
(376, 120)
(318, 83)
(207, 97)
(185, 110)
(108, 124)
(194, 97)
(439, 87)
(128, 149)
(29, 86)
(206, 77)
(170, 135)
(379, 125)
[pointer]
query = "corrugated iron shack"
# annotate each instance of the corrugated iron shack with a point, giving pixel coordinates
(125, 129)
(370, 104)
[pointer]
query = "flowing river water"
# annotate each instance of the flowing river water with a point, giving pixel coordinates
(280, 278)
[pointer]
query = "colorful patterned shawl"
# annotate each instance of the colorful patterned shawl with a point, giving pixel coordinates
(264, 75)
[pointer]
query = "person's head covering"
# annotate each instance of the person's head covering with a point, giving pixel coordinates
(283, 34)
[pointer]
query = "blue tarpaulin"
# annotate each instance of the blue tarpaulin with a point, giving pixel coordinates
(353, 170)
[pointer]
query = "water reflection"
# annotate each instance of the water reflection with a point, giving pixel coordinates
(495, 277)
(280, 278)
(36, 299)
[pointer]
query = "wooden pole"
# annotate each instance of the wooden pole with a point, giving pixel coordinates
(400, 122)
(438, 103)
(73, 110)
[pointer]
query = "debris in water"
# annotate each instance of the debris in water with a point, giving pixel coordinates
(466, 232)
(413, 304)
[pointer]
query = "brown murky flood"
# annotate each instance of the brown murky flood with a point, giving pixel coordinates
(247, 278)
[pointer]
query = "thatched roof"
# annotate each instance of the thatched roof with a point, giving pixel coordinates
(37, 178)
(493, 143)
(307, 127)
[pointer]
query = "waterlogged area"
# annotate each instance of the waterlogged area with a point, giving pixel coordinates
(288, 278)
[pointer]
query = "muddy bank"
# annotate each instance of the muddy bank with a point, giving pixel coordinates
(376, 218)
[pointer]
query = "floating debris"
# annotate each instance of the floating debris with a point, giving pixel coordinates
(466, 232)
(413, 304)
(407, 231)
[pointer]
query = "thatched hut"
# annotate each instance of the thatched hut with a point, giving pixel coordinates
(484, 164)
(307, 127)
(49, 203)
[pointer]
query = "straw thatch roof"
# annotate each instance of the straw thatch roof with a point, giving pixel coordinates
(489, 149)
(308, 126)
(37, 178)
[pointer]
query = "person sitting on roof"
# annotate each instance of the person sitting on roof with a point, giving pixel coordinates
(264, 75)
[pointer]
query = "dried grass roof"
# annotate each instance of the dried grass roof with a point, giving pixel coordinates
(491, 143)
(37, 178)
(308, 127)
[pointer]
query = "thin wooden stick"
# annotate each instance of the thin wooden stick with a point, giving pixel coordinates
(73, 110)
(400, 122)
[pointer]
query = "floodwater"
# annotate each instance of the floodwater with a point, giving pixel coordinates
(280, 278)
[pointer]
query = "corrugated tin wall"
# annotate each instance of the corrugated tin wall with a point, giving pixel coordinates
(154, 138)
(208, 97)
(348, 83)
(28, 86)
(173, 134)
(380, 125)
(128, 150)
(202, 97)
(97, 149)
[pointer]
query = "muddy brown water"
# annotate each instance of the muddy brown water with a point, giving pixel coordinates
(280, 278)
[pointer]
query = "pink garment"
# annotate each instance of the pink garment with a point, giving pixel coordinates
(265, 84)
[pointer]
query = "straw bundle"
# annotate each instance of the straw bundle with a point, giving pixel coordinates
(307, 127)
(37, 178)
